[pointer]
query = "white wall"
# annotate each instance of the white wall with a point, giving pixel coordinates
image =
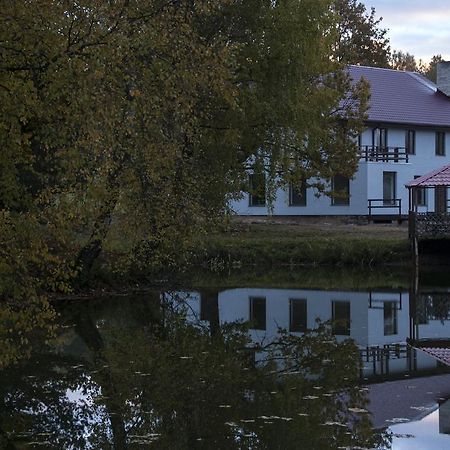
(368, 181)
(314, 205)
(234, 304)
(376, 318)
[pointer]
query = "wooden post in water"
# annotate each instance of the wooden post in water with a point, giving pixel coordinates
(415, 246)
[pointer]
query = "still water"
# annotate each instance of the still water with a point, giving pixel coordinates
(313, 362)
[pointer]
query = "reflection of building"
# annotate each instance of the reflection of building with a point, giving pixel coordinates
(378, 321)
(444, 417)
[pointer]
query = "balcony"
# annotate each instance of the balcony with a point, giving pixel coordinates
(373, 153)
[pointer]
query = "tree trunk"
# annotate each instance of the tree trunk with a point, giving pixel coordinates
(89, 333)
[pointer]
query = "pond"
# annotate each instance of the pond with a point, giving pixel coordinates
(312, 360)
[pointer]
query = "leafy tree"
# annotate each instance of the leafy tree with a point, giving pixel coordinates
(134, 118)
(430, 71)
(360, 40)
(403, 61)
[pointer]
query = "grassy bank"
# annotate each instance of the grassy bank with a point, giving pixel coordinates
(259, 250)
(272, 244)
(322, 278)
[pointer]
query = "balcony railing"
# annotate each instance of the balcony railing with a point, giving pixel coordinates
(385, 204)
(383, 154)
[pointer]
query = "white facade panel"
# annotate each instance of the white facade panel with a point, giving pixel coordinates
(368, 180)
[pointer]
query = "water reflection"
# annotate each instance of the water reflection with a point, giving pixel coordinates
(431, 432)
(134, 373)
(241, 368)
(378, 321)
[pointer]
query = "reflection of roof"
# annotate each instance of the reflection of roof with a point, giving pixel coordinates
(438, 177)
(403, 97)
(439, 348)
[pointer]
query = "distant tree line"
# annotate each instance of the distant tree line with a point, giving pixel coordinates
(363, 41)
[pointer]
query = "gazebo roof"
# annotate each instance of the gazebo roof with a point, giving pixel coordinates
(437, 348)
(438, 177)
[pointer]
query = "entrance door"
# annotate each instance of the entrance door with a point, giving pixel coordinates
(440, 199)
(389, 191)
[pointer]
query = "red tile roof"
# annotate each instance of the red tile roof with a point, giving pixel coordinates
(438, 177)
(441, 354)
(437, 348)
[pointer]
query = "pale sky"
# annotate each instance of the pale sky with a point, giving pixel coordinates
(419, 27)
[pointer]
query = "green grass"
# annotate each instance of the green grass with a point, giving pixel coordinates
(311, 244)
(323, 277)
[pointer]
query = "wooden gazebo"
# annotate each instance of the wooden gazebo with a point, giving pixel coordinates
(428, 216)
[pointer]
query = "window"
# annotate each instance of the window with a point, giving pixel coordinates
(440, 143)
(390, 318)
(257, 190)
(410, 142)
(389, 188)
(421, 195)
(440, 199)
(340, 186)
(379, 137)
(258, 313)
(297, 194)
(341, 318)
(209, 307)
(297, 314)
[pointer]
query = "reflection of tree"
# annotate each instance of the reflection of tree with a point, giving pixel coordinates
(434, 306)
(22, 326)
(139, 375)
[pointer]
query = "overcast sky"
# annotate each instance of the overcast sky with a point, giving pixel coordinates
(420, 27)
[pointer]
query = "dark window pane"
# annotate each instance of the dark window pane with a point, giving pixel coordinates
(421, 194)
(257, 189)
(440, 143)
(410, 142)
(258, 313)
(298, 315)
(440, 199)
(390, 318)
(389, 188)
(380, 138)
(341, 190)
(297, 195)
(341, 318)
(444, 417)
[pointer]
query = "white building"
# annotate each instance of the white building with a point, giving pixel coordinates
(407, 135)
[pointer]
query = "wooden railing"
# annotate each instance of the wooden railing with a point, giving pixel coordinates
(381, 203)
(380, 356)
(429, 225)
(383, 154)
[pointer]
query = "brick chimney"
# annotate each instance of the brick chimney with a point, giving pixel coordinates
(443, 77)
